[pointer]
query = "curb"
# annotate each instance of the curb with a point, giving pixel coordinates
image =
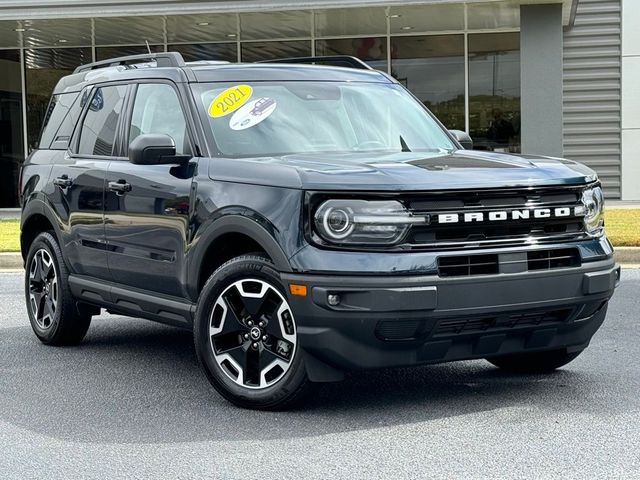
(627, 255)
(624, 256)
(10, 261)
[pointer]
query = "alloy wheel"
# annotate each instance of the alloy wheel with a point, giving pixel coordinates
(43, 289)
(252, 333)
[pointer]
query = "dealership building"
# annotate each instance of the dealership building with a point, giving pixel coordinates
(551, 77)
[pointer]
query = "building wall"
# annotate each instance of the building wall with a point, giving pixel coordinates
(541, 67)
(592, 83)
(630, 100)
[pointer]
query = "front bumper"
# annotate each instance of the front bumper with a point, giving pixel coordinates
(389, 321)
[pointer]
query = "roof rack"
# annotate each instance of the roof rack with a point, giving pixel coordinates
(163, 59)
(333, 60)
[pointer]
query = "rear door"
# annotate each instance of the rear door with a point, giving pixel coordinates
(148, 206)
(78, 177)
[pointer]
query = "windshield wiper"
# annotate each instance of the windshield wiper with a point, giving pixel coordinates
(403, 144)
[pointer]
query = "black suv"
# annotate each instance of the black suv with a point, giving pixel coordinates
(304, 221)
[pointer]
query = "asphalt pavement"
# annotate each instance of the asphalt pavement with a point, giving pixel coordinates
(131, 402)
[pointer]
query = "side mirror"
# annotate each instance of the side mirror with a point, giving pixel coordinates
(463, 139)
(154, 149)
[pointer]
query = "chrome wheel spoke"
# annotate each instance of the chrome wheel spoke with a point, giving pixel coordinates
(252, 333)
(48, 272)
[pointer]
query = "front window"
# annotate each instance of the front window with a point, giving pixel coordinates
(280, 118)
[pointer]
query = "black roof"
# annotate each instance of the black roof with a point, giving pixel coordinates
(171, 66)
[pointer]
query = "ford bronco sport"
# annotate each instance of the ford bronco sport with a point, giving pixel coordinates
(303, 221)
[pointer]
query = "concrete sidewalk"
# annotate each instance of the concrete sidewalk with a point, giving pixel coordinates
(627, 205)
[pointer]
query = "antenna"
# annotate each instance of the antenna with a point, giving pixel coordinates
(148, 47)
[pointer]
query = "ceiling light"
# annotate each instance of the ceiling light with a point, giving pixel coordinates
(395, 15)
(407, 28)
(203, 24)
(231, 35)
(20, 29)
(62, 40)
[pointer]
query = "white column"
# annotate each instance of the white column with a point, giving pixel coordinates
(630, 100)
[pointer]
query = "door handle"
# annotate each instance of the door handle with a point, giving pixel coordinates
(63, 182)
(120, 187)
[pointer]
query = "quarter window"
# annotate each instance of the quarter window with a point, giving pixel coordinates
(157, 110)
(98, 132)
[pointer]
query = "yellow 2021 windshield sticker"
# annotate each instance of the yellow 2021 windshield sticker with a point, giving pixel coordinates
(230, 100)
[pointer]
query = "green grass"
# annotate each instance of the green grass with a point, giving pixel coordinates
(623, 229)
(623, 226)
(9, 235)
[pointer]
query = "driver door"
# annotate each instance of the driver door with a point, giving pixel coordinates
(147, 207)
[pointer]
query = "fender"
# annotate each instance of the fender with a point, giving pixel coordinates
(232, 223)
(37, 206)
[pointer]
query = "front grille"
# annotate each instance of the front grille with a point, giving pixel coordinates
(459, 326)
(519, 262)
(551, 259)
(398, 329)
(513, 229)
(468, 265)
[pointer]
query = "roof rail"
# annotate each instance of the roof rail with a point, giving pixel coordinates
(334, 60)
(162, 59)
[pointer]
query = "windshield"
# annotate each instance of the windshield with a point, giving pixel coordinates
(280, 118)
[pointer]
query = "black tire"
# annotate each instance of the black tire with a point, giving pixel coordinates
(53, 312)
(243, 387)
(537, 362)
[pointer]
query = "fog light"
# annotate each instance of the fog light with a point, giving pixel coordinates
(333, 299)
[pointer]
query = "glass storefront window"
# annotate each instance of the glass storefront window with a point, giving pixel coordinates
(44, 67)
(11, 138)
(9, 38)
(256, 51)
(201, 28)
(206, 51)
(63, 32)
(372, 50)
(104, 53)
(494, 91)
(267, 25)
(350, 21)
(129, 30)
(426, 18)
(432, 68)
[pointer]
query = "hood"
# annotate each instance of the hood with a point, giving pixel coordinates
(402, 171)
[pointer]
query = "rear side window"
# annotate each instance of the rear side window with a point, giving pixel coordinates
(99, 126)
(59, 121)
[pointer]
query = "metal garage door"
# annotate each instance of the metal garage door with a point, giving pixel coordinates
(592, 58)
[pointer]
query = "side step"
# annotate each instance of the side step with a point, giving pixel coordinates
(132, 302)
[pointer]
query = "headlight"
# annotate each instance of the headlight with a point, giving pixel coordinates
(363, 222)
(593, 201)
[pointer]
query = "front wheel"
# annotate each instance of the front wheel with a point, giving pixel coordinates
(246, 336)
(536, 362)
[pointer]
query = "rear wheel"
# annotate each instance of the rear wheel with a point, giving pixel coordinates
(53, 312)
(246, 336)
(536, 362)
